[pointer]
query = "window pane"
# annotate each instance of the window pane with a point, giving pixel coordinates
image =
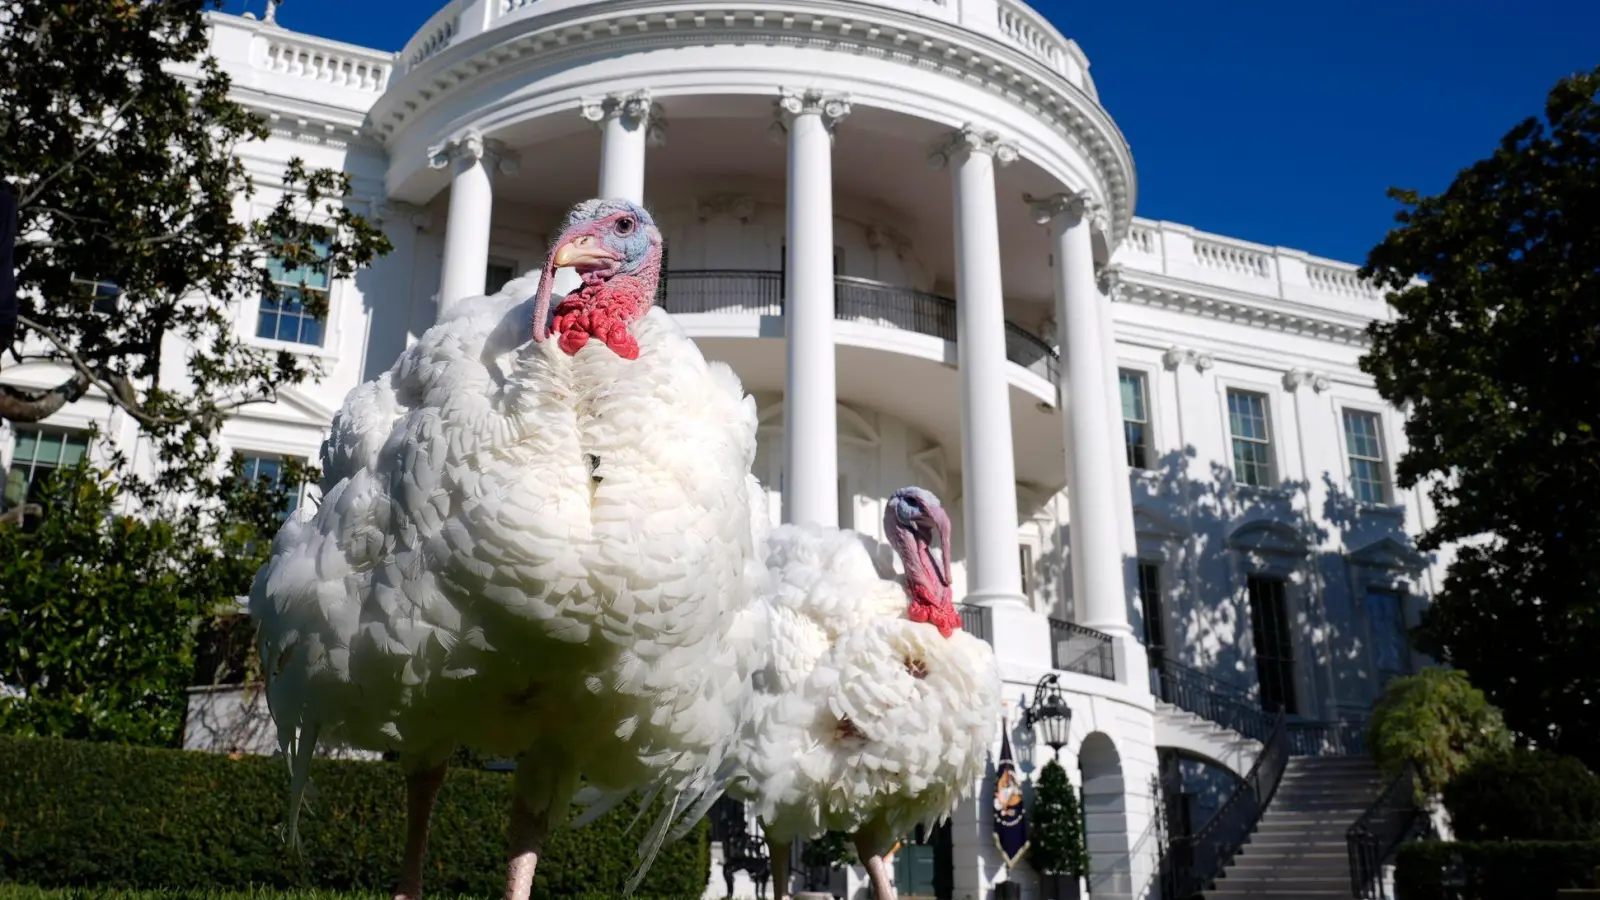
(288, 327)
(1132, 396)
(49, 450)
(73, 450)
(27, 447)
(311, 331)
(1133, 437)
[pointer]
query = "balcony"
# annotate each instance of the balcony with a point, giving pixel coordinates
(760, 293)
(1075, 648)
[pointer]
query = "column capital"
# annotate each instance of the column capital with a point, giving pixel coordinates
(635, 108)
(472, 145)
(1077, 206)
(971, 139)
(1294, 379)
(387, 210)
(792, 102)
(1175, 357)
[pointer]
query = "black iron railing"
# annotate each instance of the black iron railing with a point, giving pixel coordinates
(1346, 737)
(760, 292)
(1195, 861)
(1075, 648)
(1216, 701)
(1374, 837)
(975, 621)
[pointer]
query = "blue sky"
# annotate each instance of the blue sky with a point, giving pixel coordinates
(1280, 122)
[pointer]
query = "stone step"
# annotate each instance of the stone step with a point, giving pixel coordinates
(1288, 884)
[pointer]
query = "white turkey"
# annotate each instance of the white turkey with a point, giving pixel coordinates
(529, 547)
(874, 711)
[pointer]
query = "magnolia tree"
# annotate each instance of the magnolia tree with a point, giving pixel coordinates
(118, 139)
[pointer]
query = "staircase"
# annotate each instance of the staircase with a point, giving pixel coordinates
(1298, 848)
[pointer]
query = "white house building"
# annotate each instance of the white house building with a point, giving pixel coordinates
(1171, 483)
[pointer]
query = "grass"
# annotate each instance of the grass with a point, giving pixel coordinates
(29, 892)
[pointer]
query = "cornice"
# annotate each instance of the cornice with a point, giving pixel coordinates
(925, 44)
(1146, 289)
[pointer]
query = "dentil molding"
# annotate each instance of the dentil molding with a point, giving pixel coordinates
(792, 103)
(1294, 379)
(472, 145)
(972, 139)
(1178, 356)
(635, 108)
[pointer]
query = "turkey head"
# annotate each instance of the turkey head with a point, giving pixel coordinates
(616, 249)
(916, 523)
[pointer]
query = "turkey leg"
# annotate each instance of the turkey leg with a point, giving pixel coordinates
(528, 830)
(780, 868)
(877, 871)
(422, 787)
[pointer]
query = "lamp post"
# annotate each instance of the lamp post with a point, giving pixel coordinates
(1049, 715)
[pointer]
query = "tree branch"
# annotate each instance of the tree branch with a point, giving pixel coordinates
(20, 405)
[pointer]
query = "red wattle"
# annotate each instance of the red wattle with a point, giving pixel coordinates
(934, 610)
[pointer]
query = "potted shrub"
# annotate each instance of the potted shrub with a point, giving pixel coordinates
(1055, 840)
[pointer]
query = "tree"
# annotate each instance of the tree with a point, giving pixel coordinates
(1056, 842)
(1495, 355)
(119, 139)
(1437, 721)
(101, 610)
(1525, 795)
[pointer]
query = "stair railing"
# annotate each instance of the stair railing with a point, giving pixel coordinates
(1227, 705)
(1196, 861)
(1374, 837)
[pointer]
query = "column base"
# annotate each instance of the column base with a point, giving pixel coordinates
(1017, 633)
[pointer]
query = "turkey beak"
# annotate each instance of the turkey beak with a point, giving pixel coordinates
(582, 251)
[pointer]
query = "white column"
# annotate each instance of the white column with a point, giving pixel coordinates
(810, 429)
(1097, 566)
(628, 123)
(988, 471)
(472, 159)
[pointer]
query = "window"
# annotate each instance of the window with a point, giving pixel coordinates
(1135, 418)
(102, 295)
(1269, 625)
(1368, 481)
(498, 276)
(38, 452)
(1155, 630)
(1391, 651)
(286, 318)
(1025, 560)
(1252, 441)
(270, 470)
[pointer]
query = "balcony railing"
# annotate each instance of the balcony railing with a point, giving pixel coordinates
(975, 621)
(1375, 836)
(1074, 648)
(1215, 701)
(758, 292)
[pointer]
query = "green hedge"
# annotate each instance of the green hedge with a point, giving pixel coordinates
(1493, 870)
(85, 814)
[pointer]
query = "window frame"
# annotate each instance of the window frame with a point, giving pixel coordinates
(1148, 444)
(1274, 469)
(250, 310)
(302, 493)
(1344, 408)
(14, 436)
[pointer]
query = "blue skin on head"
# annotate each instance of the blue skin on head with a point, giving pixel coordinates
(623, 228)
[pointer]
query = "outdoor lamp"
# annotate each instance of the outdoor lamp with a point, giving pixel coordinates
(1049, 715)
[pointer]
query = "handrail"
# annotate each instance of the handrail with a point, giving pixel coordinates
(1197, 860)
(1227, 705)
(1372, 840)
(1081, 649)
(760, 292)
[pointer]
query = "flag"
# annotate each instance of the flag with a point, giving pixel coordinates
(8, 274)
(1010, 815)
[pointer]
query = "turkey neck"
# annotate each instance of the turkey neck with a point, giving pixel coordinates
(931, 599)
(630, 293)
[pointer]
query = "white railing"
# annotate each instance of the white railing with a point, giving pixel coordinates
(1344, 282)
(435, 35)
(366, 73)
(1168, 248)
(1230, 257)
(1033, 34)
